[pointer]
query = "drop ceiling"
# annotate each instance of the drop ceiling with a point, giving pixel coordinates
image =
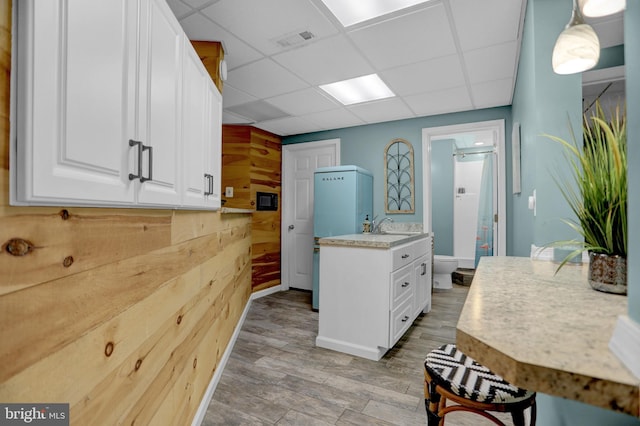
(438, 57)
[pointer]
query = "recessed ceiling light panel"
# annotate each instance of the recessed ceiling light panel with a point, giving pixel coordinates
(350, 12)
(360, 89)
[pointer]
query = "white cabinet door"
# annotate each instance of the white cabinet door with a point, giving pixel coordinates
(202, 134)
(213, 155)
(75, 110)
(422, 268)
(197, 180)
(159, 106)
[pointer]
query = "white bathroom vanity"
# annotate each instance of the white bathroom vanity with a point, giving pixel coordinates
(372, 288)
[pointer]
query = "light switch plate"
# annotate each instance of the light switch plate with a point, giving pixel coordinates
(228, 192)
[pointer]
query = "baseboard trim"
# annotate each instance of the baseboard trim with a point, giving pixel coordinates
(625, 343)
(266, 292)
(206, 399)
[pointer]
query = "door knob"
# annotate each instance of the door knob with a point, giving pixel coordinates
(291, 227)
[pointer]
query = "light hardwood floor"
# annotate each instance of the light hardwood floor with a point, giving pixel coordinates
(277, 376)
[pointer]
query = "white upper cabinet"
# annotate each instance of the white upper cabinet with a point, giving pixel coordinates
(75, 101)
(202, 122)
(100, 113)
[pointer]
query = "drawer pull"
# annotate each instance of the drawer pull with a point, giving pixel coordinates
(406, 284)
(405, 318)
(424, 269)
(404, 256)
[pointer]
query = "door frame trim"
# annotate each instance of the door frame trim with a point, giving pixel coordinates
(287, 152)
(430, 133)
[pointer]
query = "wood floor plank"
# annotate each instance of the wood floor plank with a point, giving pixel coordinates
(277, 376)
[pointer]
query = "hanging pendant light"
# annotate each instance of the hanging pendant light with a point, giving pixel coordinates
(597, 8)
(577, 48)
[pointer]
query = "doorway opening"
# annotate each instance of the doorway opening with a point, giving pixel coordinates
(464, 190)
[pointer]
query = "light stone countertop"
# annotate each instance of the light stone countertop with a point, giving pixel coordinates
(233, 210)
(383, 241)
(547, 333)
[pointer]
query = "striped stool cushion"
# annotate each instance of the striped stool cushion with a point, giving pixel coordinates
(464, 377)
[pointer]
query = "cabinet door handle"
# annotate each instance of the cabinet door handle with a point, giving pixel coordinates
(424, 269)
(404, 256)
(141, 149)
(209, 179)
(405, 318)
(405, 284)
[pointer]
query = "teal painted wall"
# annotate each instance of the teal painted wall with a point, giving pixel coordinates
(442, 196)
(632, 55)
(364, 146)
(544, 103)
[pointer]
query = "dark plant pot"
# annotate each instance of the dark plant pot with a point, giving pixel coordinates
(608, 273)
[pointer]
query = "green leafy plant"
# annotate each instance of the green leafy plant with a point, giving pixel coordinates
(597, 190)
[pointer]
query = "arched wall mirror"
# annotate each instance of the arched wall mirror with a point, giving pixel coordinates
(398, 176)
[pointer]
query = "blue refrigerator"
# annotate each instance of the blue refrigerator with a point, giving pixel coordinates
(343, 197)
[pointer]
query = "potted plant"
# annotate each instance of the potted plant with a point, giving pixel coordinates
(597, 194)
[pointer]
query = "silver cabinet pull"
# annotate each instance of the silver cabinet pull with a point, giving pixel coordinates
(424, 269)
(405, 319)
(405, 284)
(141, 149)
(404, 256)
(209, 179)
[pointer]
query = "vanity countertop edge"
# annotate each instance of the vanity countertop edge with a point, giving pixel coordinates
(369, 240)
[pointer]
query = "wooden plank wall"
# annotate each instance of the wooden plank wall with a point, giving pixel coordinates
(122, 313)
(266, 176)
(252, 162)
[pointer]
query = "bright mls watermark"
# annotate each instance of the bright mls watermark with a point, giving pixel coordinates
(34, 414)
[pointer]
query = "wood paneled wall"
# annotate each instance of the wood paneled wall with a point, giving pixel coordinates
(251, 163)
(122, 313)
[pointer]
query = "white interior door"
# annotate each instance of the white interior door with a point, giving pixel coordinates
(299, 163)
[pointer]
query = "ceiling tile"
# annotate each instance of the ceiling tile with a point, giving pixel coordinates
(232, 96)
(178, 8)
(487, 22)
(265, 24)
(236, 53)
(440, 102)
(229, 118)
(425, 76)
(325, 61)
(383, 110)
(492, 93)
(289, 126)
(334, 119)
(414, 37)
(491, 63)
(303, 102)
(197, 3)
(258, 111)
(265, 79)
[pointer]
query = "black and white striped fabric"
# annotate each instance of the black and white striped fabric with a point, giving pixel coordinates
(463, 376)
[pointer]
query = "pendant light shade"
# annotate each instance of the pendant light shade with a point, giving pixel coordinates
(596, 8)
(577, 48)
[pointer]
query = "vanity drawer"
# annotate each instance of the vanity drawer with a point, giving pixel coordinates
(402, 285)
(405, 254)
(401, 320)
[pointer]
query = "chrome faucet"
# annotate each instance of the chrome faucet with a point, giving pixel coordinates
(376, 226)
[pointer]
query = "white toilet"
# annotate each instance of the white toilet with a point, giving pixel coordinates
(443, 267)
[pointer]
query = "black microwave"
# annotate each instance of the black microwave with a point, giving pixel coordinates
(266, 201)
